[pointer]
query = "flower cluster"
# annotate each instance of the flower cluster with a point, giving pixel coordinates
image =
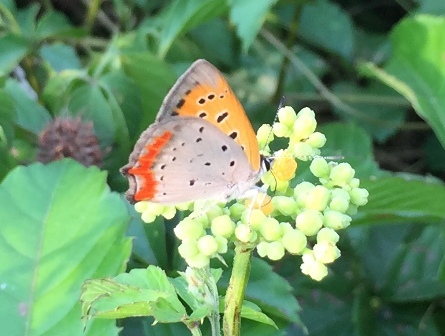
(300, 220)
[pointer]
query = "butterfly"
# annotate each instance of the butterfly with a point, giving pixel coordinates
(202, 145)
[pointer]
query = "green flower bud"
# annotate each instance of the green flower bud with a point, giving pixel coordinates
(236, 211)
(198, 261)
(222, 244)
(148, 217)
(342, 174)
(354, 183)
(326, 252)
(336, 220)
(294, 241)
(188, 248)
(262, 249)
(275, 250)
(326, 234)
(223, 226)
(314, 268)
(304, 126)
(169, 212)
(189, 228)
(317, 198)
(316, 140)
(213, 212)
(269, 179)
(285, 205)
(319, 167)
(281, 130)
(309, 222)
(359, 196)
(303, 151)
(141, 206)
(301, 191)
(200, 217)
(154, 208)
(207, 245)
(287, 116)
(271, 229)
(184, 206)
(340, 193)
(306, 112)
(282, 186)
(254, 218)
(264, 135)
(286, 227)
(244, 233)
(339, 204)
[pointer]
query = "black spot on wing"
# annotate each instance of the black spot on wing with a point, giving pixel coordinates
(222, 116)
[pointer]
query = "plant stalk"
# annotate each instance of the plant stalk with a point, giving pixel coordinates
(235, 292)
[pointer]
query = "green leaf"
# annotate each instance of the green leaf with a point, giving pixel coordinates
(52, 24)
(376, 108)
(252, 312)
(89, 102)
(26, 19)
(60, 56)
(396, 198)
(142, 292)
(248, 17)
(416, 68)
(13, 48)
(60, 226)
(181, 16)
(328, 26)
(31, 116)
(153, 78)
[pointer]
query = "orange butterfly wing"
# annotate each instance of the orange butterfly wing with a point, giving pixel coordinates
(203, 92)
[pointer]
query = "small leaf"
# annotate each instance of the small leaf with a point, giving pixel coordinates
(142, 292)
(252, 312)
(248, 17)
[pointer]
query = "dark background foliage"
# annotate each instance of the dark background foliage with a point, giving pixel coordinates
(373, 72)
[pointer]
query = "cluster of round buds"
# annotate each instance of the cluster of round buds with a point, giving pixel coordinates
(300, 220)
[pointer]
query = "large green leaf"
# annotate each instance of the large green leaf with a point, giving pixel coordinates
(181, 16)
(416, 68)
(248, 17)
(7, 119)
(409, 198)
(60, 56)
(60, 226)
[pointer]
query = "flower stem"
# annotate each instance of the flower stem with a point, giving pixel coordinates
(235, 291)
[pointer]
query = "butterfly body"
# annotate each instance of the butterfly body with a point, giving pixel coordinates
(201, 146)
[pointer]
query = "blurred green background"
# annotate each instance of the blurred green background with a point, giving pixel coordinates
(83, 79)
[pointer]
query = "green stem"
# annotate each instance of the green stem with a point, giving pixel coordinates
(235, 291)
(194, 329)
